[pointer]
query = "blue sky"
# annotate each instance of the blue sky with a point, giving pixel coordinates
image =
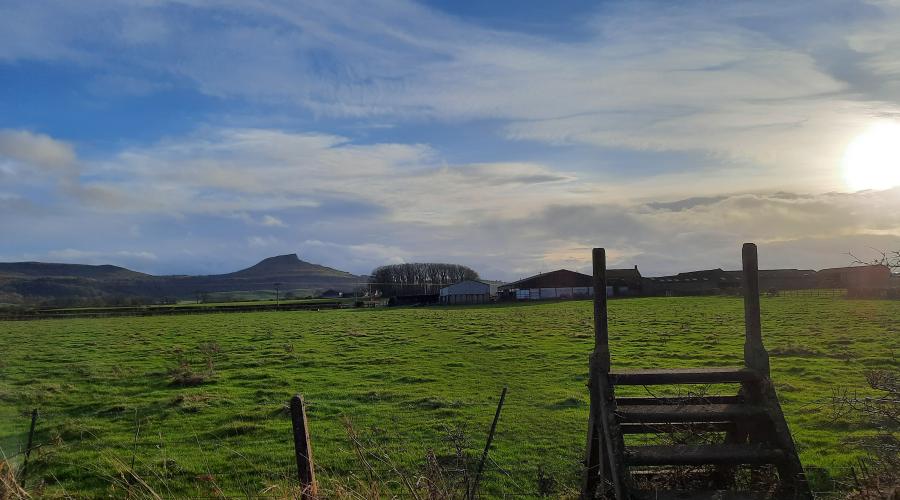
(194, 136)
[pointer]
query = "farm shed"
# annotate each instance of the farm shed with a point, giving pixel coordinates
(561, 284)
(466, 292)
(787, 279)
(856, 279)
(707, 282)
(565, 284)
(624, 281)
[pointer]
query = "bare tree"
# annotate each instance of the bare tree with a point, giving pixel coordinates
(418, 278)
(890, 259)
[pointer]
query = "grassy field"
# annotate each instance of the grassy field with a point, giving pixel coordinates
(193, 305)
(409, 380)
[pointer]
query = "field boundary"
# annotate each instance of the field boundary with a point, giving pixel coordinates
(168, 311)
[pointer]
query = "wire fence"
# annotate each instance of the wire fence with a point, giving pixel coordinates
(71, 447)
(809, 292)
(252, 457)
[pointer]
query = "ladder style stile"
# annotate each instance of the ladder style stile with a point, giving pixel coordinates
(755, 431)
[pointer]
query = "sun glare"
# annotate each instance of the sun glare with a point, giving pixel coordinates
(872, 160)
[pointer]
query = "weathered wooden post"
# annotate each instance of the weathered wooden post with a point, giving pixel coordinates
(601, 318)
(306, 473)
(605, 444)
(34, 415)
(755, 355)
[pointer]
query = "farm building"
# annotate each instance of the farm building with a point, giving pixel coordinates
(466, 292)
(708, 282)
(787, 279)
(856, 279)
(624, 281)
(565, 284)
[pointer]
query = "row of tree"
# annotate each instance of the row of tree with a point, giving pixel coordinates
(418, 278)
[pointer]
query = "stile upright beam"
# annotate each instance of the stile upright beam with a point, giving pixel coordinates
(601, 317)
(755, 355)
(604, 461)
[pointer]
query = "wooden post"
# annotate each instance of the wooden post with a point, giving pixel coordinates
(306, 473)
(598, 367)
(601, 321)
(34, 414)
(605, 444)
(487, 445)
(755, 355)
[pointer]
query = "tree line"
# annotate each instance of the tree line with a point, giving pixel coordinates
(418, 278)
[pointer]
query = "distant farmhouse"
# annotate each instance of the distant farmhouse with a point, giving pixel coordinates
(565, 284)
(708, 282)
(870, 281)
(466, 292)
(857, 280)
(717, 281)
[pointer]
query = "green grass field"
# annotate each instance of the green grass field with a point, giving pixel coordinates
(193, 305)
(407, 379)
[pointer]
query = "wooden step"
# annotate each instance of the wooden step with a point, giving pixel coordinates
(669, 428)
(712, 454)
(686, 400)
(717, 375)
(700, 495)
(688, 413)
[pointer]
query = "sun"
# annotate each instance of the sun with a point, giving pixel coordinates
(872, 160)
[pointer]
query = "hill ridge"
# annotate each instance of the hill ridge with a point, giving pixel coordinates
(33, 281)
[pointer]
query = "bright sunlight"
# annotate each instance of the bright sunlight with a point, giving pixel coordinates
(872, 160)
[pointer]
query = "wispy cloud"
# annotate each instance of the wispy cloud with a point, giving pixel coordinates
(732, 103)
(36, 151)
(721, 79)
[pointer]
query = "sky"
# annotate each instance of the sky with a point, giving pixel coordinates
(198, 137)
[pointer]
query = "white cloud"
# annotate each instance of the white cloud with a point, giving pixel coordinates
(37, 150)
(724, 79)
(240, 171)
(262, 241)
(271, 221)
(724, 83)
(361, 257)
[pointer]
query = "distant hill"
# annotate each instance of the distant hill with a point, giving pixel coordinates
(43, 270)
(39, 282)
(283, 266)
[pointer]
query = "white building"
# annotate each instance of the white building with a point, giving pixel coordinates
(466, 292)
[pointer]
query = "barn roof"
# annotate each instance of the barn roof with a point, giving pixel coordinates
(879, 268)
(561, 278)
(630, 274)
(466, 286)
(785, 273)
(717, 275)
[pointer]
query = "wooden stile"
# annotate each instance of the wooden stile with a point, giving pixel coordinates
(756, 432)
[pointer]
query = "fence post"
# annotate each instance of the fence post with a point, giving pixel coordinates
(306, 473)
(487, 445)
(755, 355)
(34, 414)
